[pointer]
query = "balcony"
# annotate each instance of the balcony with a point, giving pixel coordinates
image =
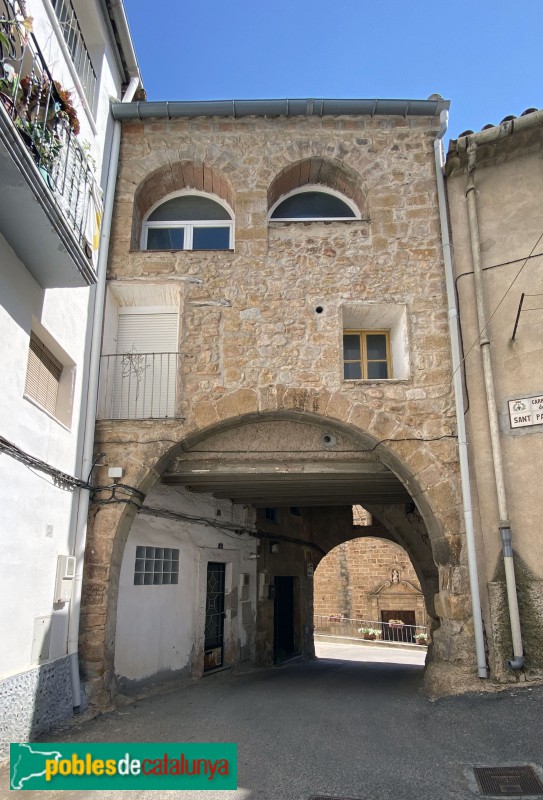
(138, 386)
(71, 31)
(41, 160)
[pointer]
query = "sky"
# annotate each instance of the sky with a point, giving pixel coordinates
(485, 57)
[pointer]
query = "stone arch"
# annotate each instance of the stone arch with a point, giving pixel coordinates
(170, 178)
(328, 172)
(347, 576)
(419, 466)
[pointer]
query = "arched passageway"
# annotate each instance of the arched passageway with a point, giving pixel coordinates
(367, 589)
(235, 521)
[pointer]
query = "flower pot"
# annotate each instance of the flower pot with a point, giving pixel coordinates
(46, 175)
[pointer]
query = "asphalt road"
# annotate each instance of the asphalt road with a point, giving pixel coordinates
(341, 728)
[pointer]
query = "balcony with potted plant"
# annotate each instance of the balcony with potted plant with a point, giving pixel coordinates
(42, 159)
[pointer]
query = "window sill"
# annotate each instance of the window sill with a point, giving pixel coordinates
(154, 252)
(373, 381)
(46, 412)
(279, 222)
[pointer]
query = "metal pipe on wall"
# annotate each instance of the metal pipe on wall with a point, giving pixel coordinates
(482, 669)
(92, 397)
(492, 409)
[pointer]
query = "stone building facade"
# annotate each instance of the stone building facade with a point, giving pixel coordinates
(496, 211)
(269, 435)
(368, 579)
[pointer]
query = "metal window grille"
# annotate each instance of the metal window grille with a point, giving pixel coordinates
(32, 99)
(71, 31)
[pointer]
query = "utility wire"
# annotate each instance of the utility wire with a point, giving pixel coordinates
(501, 301)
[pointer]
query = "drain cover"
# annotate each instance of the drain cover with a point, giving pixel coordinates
(508, 781)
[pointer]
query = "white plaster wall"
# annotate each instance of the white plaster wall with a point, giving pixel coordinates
(510, 210)
(36, 517)
(158, 626)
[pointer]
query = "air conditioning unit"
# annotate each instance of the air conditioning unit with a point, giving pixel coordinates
(64, 579)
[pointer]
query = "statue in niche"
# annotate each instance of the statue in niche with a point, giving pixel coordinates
(395, 576)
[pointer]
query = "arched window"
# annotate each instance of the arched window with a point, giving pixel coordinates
(189, 221)
(310, 203)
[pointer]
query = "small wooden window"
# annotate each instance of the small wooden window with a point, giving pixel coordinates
(42, 375)
(366, 355)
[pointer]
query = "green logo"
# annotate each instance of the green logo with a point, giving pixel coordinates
(123, 766)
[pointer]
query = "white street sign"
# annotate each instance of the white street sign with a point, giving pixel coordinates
(526, 411)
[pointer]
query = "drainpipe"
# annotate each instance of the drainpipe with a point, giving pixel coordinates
(504, 525)
(92, 396)
(460, 410)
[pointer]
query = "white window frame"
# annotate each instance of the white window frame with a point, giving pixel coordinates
(189, 226)
(315, 187)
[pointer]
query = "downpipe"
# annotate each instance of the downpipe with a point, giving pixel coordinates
(517, 662)
(92, 399)
(473, 572)
(512, 599)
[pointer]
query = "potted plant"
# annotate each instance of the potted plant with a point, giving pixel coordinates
(48, 103)
(370, 633)
(13, 35)
(421, 638)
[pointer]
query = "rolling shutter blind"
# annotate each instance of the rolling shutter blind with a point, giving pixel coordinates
(147, 333)
(146, 369)
(42, 375)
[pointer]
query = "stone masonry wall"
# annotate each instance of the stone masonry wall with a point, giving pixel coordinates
(253, 343)
(346, 576)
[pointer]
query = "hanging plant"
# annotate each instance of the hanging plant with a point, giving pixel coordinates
(54, 100)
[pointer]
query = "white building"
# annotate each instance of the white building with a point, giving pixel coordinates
(57, 154)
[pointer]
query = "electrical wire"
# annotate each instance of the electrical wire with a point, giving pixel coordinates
(60, 479)
(501, 301)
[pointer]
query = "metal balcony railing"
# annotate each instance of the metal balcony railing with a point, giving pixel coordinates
(46, 120)
(335, 625)
(69, 25)
(138, 386)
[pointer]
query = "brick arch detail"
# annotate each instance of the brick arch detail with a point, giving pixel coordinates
(170, 178)
(435, 495)
(327, 172)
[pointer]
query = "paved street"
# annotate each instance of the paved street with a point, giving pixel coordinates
(343, 728)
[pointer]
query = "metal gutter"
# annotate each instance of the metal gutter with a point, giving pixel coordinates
(279, 108)
(494, 134)
(89, 418)
(517, 662)
(115, 15)
(460, 408)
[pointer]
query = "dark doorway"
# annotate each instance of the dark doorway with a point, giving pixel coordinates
(401, 626)
(283, 620)
(214, 626)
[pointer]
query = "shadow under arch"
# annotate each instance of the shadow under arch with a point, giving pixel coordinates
(171, 178)
(427, 531)
(319, 170)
